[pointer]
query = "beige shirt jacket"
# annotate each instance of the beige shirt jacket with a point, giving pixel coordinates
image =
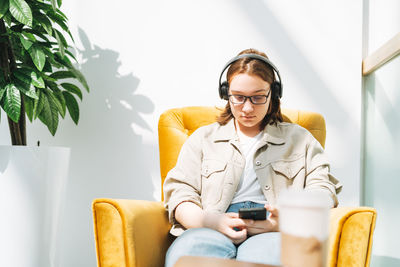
(210, 165)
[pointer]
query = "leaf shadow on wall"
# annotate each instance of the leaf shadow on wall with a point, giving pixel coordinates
(108, 158)
(112, 156)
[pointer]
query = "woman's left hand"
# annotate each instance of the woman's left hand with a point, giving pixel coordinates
(271, 224)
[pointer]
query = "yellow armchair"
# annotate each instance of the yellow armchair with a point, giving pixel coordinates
(134, 233)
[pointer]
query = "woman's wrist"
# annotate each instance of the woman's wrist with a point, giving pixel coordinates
(210, 220)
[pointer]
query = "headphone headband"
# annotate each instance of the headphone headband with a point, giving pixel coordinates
(255, 56)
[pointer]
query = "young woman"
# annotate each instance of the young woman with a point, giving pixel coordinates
(245, 159)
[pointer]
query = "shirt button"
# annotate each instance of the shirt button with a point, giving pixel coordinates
(258, 163)
(267, 187)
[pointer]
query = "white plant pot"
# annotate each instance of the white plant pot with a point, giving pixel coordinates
(32, 189)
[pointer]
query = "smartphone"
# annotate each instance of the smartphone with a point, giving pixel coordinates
(253, 213)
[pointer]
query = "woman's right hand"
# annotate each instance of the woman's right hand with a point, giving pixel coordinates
(192, 216)
(225, 224)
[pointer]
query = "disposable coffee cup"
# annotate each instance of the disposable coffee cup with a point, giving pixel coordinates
(304, 226)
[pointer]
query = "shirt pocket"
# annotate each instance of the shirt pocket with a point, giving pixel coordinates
(212, 166)
(289, 168)
(212, 175)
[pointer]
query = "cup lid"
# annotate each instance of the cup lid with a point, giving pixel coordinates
(304, 198)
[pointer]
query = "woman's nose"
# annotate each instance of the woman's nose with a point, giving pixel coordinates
(247, 105)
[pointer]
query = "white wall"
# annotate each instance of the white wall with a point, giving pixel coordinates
(143, 57)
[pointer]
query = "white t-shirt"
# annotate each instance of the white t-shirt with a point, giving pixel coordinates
(249, 188)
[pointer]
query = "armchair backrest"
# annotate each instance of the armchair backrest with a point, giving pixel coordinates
(176, 125)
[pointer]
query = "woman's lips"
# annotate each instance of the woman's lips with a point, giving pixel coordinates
(248, 117)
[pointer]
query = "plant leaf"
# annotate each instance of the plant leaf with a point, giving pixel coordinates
(57, 104)
(12, 102)
(28, 102)
(50, 58)
(57, 18)
(8, 17)
(3, 7)
(62, 38)
(29, 35)
(62, 74)
(47, 78)
(59, 2)
(2, 91)
(38, 105)
(71, 55)
(63, 60)
(21, 11)
(72, 105)
(62, 14)
(37, 33)
(80, 78)
(61, 98)
(37, 80)
(38, 57)
(53, 86)
(60, 42)
(70, 35)
(45, 45)
(27, 89)
(49, 114)
(29, 77)
(73, 89)
(22, 76)
(53, 3)
(71, 73)
(47, 67)
(45, 22)
(25, 43)
(43, 6)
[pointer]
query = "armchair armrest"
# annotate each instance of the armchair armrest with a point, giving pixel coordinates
(350, 238)
(130, 233)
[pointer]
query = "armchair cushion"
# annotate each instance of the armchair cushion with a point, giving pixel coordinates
(350, 239)
(130, 233)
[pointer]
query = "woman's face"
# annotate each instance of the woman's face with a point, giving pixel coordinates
(248, 115)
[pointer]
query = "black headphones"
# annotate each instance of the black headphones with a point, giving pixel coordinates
(276, 86)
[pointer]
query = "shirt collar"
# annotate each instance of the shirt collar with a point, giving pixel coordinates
(271, 134)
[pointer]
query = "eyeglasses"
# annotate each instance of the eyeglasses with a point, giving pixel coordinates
(254, 99)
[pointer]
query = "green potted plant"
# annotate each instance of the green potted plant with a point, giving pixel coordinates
(34, 62)
(35, 73)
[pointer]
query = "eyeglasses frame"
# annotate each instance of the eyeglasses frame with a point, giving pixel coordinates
(249, 97)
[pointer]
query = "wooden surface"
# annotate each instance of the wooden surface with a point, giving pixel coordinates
(384, 54)
(193, 261)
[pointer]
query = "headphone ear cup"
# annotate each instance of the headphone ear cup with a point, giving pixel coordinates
(223, 90)
(276, 89)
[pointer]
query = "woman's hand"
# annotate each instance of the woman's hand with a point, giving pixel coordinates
(271, 224)
(225, 224)
(192, 216)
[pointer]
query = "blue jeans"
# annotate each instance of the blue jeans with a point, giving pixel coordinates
(262, 248)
